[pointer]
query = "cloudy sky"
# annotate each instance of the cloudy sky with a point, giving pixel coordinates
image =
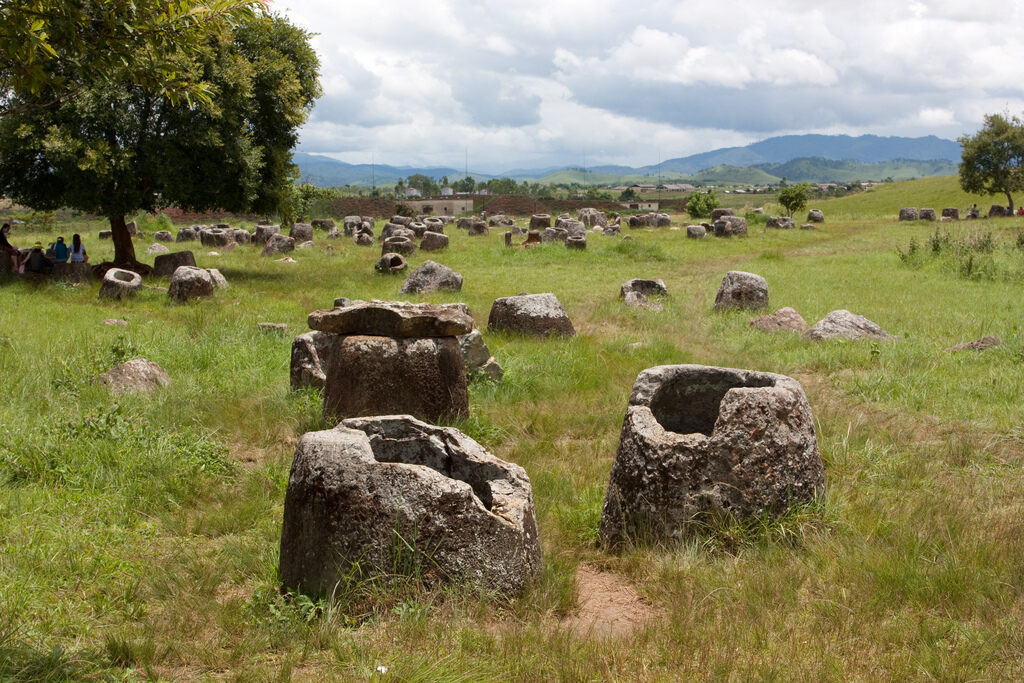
(533, 83)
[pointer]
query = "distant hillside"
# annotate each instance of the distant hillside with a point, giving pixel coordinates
(810, 158)
(817, 169)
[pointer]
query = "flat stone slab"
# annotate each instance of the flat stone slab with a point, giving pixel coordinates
(400, 319)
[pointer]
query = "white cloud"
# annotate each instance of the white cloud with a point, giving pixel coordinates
(544, 81)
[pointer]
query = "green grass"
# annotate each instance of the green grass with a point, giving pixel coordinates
(139, 535)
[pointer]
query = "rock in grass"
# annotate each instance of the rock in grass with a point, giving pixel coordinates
(278, 244)
(431, 276)
(138, 375)
(842, 324)
(741, 290)
(908, 214)
(394, 319)
(702, 443)
(783, 320)
(164, 265)
(157, 249)
(394, 494)
(532, 314)
(982, 344)
(189, 283)
(477, 357)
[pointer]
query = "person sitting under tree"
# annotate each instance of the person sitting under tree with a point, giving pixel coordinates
(78, 254)
(8, 250)
(37, 261)
(58, 251)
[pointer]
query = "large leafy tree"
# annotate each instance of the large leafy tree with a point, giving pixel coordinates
(117, 148)
(992, 160)
(61, 47)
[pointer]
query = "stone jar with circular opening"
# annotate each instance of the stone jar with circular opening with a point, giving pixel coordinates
(702, 444)
(399, 496)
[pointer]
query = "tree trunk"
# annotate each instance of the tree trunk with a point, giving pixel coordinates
(124, 250)
(1009, 201)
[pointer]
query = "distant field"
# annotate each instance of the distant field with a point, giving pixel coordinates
(139, 536)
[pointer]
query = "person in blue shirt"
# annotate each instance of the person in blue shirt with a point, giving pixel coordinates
(58, 251)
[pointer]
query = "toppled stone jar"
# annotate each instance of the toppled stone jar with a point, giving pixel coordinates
(700, 442)
(396, 495)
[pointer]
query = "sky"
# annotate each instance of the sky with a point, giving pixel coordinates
(538, 83)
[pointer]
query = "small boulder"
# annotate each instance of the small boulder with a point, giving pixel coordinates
(137, 375)
(815, 216)
(278, 244)
(157, 249)
(908, 214)
(189, 234)
(219, 281)
(398, 245)
(432, 277)
(322, 224)
(477, 228)
(741, 290)
(532, 314)
(718, 213)
(951, 213)
(783, 320)
(399, 319)
(477, 357)
(576, 242)
(190, 283)
(364, 239)
(780, 223)
(842, 324)
(695, 232)
(996, 211)
(163, 236)
(976, 345)
(645, 287)
(216, 237)
(106, 234)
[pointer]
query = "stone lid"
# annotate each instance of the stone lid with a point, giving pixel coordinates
(394, 319)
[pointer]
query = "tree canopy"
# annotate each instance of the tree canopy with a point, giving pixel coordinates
(117, 148)
(794, 197)
(60, 47)
(992, 160)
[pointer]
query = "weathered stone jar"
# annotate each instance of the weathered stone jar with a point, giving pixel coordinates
(396, 495)
(701, 441)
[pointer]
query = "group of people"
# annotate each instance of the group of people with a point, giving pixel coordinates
(37, 261)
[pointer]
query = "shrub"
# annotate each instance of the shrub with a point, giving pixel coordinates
(701, 204)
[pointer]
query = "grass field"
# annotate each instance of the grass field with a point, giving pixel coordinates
(139, 535)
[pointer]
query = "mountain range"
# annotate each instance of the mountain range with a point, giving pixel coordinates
(798, 158)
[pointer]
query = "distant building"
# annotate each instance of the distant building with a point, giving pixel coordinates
(641, 206)
(443, 206)
(644, 187)
(447, 191)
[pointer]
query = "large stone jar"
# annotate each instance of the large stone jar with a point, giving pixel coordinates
(398, 496)
(702, 443)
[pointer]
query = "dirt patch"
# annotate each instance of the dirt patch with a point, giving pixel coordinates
(609, 606)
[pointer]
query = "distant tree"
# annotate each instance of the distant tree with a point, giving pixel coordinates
(467, 185)
(992, 160)
(794, 197)
(423, 183)
(628, 195)
(502, 186)
(115, 149)
(300, 201)
(701, 204)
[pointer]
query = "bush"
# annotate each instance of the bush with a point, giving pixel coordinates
(794, 197)
(701, 204)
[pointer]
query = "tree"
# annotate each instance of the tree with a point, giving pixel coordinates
(992, 160)
(701, 204)
(425, 184)
(61, 47)
(117, 148)
(794, 197)
(467, 184)
(628, 195)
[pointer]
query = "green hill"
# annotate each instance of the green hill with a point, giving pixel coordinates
(818, 169)
(885, 201)
(733, 175)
